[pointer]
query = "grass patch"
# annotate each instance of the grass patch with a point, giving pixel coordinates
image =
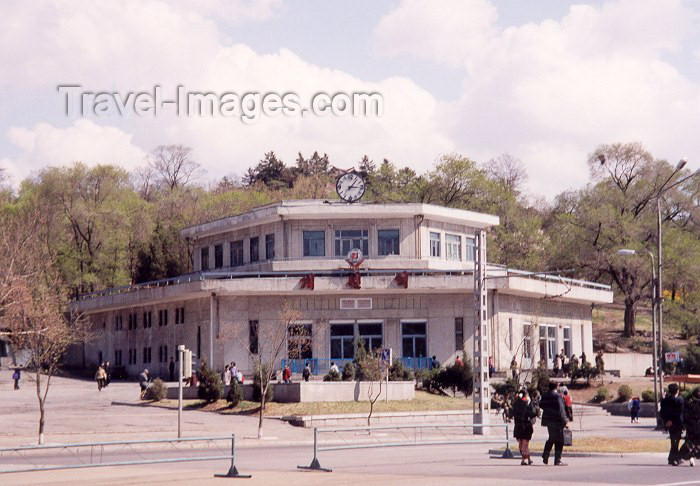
(609, 445)
(423, 401)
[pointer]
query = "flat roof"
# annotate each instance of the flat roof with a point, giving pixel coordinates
(311, 209)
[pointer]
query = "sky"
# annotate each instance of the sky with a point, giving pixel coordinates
(546, 81)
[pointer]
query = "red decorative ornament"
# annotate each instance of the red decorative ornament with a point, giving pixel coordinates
(401, 280)
(307, 282)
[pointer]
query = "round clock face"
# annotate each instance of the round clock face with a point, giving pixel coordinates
(350, 187)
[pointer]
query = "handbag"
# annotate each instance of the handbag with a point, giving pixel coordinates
(568, 437)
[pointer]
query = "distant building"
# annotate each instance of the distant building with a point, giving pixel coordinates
(415, 292)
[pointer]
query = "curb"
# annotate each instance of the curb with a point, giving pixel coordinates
(496, 454)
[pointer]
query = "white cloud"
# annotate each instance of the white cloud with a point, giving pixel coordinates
(552, 91)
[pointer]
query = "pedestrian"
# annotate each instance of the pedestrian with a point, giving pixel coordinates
(514, 368)
(234, 369)
(564, 363)
(672, 415)
(634, 405)
(492, 368)
(573, 365)
(599, 362)
(143, 383)
(108, 374)
(583, 359)
(434, 363)
(691, 446)
(171, 369)
(100, 377)
(334, 367)
(524, 415)
(16, 375)
(287, 374)
(556, 365)
(239, 377)
(554, 418)
(459, 362)
(568, 404)
(226, 375)
(306, 373)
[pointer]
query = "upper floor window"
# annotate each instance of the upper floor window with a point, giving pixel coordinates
(254, 249)
(453, 247)
(314, 243)
(269, 247)
(388, 241)
(434, 244)
(205, 258)
(236, 253)
(346, 240)
(218, 256)
(470, 247)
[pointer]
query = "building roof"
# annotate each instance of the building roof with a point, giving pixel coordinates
(319, 209)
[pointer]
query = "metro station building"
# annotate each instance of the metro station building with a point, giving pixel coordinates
(412, 292)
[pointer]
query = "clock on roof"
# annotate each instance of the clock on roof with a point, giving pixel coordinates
(350, 187)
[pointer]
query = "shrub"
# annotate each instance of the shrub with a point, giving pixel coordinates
(624, 393)
(398, 372)
(157, 391)
(211, 388)
(257, 395)
(349, 372)
(456, 378)
(366, 364)
(648, 396)
(506, 388)
(540, 380)
(427, 379)
(332, 375)
(235, 393)
(601, 395)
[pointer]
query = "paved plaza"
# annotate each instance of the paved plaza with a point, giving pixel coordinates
(77, 412)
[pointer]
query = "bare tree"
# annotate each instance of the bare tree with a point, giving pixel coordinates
(174, 164)
(507, 170)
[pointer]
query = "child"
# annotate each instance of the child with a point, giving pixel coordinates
(633, 406)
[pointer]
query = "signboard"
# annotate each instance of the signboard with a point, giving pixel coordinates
(673, 357)
(354, 256)
(385, 357)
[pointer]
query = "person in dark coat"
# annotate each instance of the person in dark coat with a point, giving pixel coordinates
(691, 418)
(171, 369)
(524, 411)
(554, 418)
(672, 415)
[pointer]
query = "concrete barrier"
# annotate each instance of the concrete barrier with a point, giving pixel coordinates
(627, 364)
(380, 418)
(319, 391)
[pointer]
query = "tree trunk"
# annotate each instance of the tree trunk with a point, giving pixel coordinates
(41, 407)
(630, 314)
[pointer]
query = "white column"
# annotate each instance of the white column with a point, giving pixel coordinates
(481, 398)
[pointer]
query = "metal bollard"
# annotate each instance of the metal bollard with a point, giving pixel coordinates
(233, 471)
(315, 465)
(507, 454)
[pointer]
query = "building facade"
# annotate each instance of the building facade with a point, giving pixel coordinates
(412, 291)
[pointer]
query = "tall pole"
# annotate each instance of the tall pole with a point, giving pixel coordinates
(659, 297)
(481, 398)
(653, 332)
(180, 358)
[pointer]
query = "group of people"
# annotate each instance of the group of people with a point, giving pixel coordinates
(305, 373)
(562, 366)
(103, 375)
(554, 416)
(231, 372)
(678, 415)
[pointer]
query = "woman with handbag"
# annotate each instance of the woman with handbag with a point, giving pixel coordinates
(525, 415)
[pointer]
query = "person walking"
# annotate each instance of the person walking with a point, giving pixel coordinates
(554, 418)
(672, 407)
(306, 373)
(599, 362)
(100, 377)
(568, 404)
(287, 374)
(583, 359)
(634, 405)
(524, 415)
(226, 375)
(492, 368)
(143, 383)
(691, 447)
(16, 375)
(108, 374)
(334, 368)
(171, 369)
(556, 365)
(513, 368)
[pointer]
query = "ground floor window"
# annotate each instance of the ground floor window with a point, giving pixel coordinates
(527, 341)
(548, 342)
(567, 341)
(370, 335)
(414, 341)
(342, 341)
(299, 341)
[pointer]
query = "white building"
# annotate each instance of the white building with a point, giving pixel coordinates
(415, 295)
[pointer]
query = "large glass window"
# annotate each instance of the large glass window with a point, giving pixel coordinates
(218, 256)
(567, 340)
(388, 241)
(346, 240)
(434, 244)
(204, 253)
(414, 340)
(236, 253)
(269, 247)
(453, 247)
(252, 337)
(314, 243)
(342, 341)
(527, 341)
(254, 249)
(299, 341)
(470, 248)
(459, 334)
(548, 342)
(371, 335)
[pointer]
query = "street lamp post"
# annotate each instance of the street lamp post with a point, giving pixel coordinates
(654, 300)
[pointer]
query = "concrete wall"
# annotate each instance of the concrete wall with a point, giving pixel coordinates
(628, 364)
